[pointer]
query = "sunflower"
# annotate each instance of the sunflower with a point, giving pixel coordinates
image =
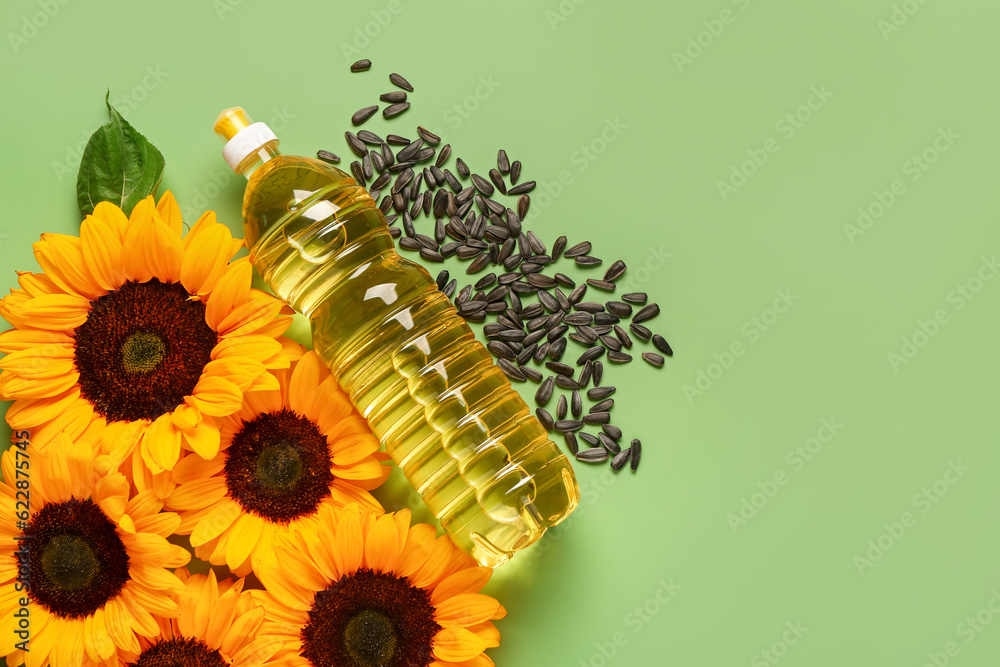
(284, 455)
(364, 589)
(93, 558)
(136, 336)
(217, 626)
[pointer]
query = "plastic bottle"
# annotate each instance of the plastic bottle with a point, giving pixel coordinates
(447, 416)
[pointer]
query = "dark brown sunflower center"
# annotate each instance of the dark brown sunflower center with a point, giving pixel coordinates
(77, 561)
(278, 466)
(370, 619)
(142, 350)
(180, 652)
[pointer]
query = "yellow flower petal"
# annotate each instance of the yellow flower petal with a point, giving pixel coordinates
(203, 440)
(456, 644)
(231, 292)
(14, 340)
(252, 315)
(242, 538)
(170, 212)
(102, 251)
(115, 218)
(206, 257)
(161, 444)
(61, 257)
(54, 312)
(382, 545)
(466, 609)
(470, 580)
(217, 522)
(216, 397)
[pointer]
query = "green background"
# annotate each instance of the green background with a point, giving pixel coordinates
(559, 74)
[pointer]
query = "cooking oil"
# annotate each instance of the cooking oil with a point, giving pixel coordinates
(431, 393)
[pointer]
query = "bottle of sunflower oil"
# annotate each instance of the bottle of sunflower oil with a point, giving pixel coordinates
(447, 416)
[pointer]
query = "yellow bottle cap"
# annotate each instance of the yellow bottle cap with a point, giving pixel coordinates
(231, 121)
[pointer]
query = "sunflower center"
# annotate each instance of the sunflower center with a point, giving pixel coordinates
(142, 352)
(69, 563)
(180, 652)
(370, 639)
(77, 561)
(370, 619)
(154, 330)
(278, 466)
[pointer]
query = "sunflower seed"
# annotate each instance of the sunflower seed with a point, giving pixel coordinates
(497, 179)
(409, 244)
(522, 188)
(531, 373)
(640, 331)
(589, 306)
(515, 335)
(361, 66)
(611, 343)
(401, 82)
(541, 353)
(443, 156)
(498, 348)
(564, 425)
(603, 406)
(601, 284)
(634, 297)
(590, 355)
(576, 403)
(597, 418)
(578, 318)
(619, 357)
(662, 345)
(515, 171)
(588, 369)
(511, 371)
(327, 156)
(587, 333)
(428, 136)
(653, 358)
(385, 205)
(598, 373)
(395, 109)
(463, 169)
(620, 459)
(593, 455)
(397, 140)
(356, 145)
(482, 184)
(534, 310)
(562, 406)
(566, 382)
(577, 294)
(534, 337)
(647, 313)
(478, 264)
(431, 255)
(358, 172)
(636, 453)
(587, 260)
(556, 348)
(470, 307)
(578, 250)
(598, 393)
(366, 165)
(623, 336)
(363, 114)
(609, 444)
(619, 308)
(544, 392)
(523, 202)
(541, 281)
(612, 431)
(464, 295)
(545, 418)
(449, 289)
(557, 332)
(615, 270)
(560, 368)
(571, 443)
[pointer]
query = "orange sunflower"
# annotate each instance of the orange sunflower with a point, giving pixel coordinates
(284, 455)
(94, 559)
(137, 336)
(218, 626)
(369, 589)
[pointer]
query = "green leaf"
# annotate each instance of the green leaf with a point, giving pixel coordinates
(119, 166)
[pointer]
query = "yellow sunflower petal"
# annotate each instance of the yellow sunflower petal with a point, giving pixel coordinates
(307, 375)
(487, 632)
(231, 292)
(120, 438)
(102, 251)
(349, 545)
(192, 468)
(206, 257)
(470, 580)
(14, 340)
(466, 609)
(167, 254)
(256, 653)
(54, 312)
(73, 421)
(198, 494)
(252, 315)
(240, 630)
(348, 451)
(170, 212)
(213, 525)
(264, 349)
(138, 245)
(365, 469)
(161, 444)
(118, 622)
(61, 257)
(242, 538)
(382, 545)
(30, 412)
(456, 644)
(216, 396)
(113, 216)
(97, 641)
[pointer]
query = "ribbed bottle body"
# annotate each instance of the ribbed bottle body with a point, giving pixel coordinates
(446, 414)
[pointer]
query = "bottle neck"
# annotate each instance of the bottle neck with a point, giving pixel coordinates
(267, 152)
